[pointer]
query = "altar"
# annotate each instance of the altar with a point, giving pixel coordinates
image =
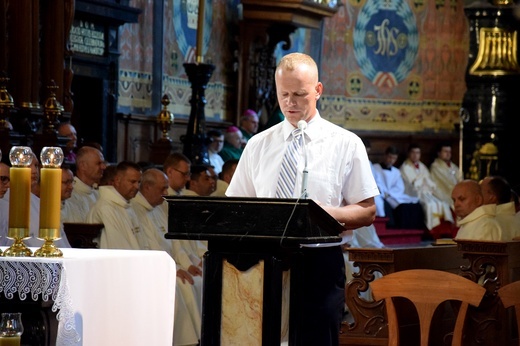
(102, 297)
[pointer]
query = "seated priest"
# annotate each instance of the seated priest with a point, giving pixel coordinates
(90, 165)
(476, 220)
(154, 223)
(403, 210)
(497, 191)
(418, 183)
(112, 209)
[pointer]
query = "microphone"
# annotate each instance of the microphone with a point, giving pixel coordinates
(302, 125)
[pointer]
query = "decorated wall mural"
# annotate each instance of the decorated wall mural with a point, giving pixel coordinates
(135, 62)
(387, 65)
(395, 65)
(180, 35)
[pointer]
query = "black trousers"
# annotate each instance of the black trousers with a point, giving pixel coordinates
(324, 295)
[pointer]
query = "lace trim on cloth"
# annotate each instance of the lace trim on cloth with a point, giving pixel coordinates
(45, 280)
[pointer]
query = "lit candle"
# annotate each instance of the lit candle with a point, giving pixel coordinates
(200, 31)
(50, 192)
(20, 195)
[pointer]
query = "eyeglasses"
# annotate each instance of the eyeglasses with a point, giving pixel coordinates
(186, 174)
(4, 179)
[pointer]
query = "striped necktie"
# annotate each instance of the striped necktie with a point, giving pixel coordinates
(287, 178)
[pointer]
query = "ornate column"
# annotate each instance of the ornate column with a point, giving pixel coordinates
(491, 123)
(195, 139)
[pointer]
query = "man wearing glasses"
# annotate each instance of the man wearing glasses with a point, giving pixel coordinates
(177, 168)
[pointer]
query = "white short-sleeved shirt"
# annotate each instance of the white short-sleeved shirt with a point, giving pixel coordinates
(339, 171)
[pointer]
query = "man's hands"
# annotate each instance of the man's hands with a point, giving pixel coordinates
(195, 270)
(184, 276)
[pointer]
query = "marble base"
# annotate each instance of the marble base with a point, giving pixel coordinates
(242, 302)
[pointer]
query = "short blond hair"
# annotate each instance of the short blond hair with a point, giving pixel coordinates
(292, 60)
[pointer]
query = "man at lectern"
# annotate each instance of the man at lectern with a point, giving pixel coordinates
(307, 156)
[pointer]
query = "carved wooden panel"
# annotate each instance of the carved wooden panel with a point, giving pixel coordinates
(492, 264)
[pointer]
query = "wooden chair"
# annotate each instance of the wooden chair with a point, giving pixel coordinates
(426, 289)
(510, 296)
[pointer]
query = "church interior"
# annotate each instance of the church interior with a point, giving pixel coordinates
(142, 79)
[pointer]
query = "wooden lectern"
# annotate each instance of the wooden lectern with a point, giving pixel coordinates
(243, 233)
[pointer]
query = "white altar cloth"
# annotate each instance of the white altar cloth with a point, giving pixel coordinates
(104, 297)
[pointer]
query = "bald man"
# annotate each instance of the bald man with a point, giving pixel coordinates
(154, 223)
(475, 219)
(153, 220)
(90, 165)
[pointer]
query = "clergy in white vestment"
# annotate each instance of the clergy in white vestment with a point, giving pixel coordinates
(476, 220)
(90, 165)
(225, 177)
(418, 183)
(153, 222)
(497, 191)
(216, 143)
(444, 173)
(67, 181)
(177, 168)
(121, 227)
(403, 210)
(202, 182)
(188, 253)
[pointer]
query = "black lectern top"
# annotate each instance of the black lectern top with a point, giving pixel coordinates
(287, 221)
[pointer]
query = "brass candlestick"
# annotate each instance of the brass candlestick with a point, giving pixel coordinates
(50, 201)
(52, 110)
(6, 104)
(19, 201)
(165, 119)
